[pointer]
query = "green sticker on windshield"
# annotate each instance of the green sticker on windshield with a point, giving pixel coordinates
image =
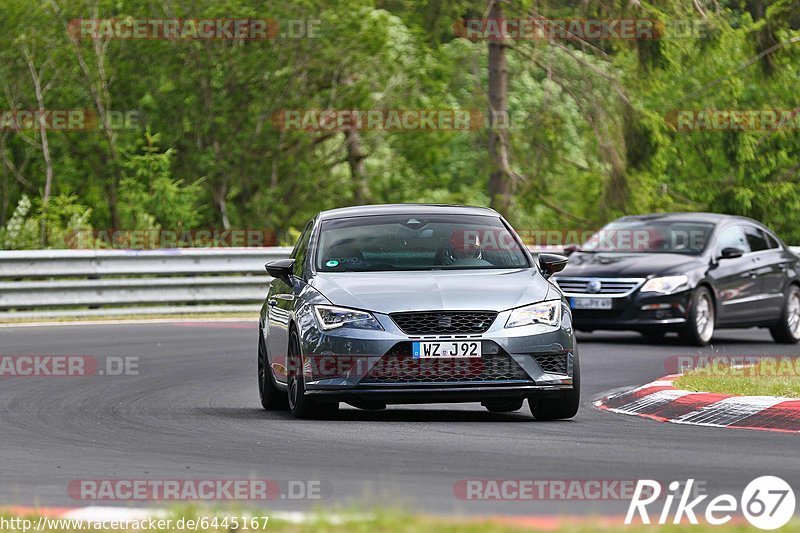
(332, 263)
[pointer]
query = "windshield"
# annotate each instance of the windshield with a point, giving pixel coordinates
(648, 236)
(418, 242)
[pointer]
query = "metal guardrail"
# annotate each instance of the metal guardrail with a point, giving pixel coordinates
(199, 261)
(85, 283)
(60, 283)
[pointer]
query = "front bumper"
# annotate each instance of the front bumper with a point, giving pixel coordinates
(353, 364)
(637, 311)
(434, 394)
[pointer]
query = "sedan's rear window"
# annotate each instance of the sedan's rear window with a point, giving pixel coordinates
(417, 242)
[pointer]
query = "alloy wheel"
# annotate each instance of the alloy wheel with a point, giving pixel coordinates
(793, 314)
(704, 318)
(294, 369)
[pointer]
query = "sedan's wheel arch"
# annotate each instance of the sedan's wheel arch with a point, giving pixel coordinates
(713, 294)
(691, 334)
(292, 385)
(784, 331)
(270, 396)
(301, 405)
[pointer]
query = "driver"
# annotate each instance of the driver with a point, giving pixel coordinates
(468, 246)
(465, 248)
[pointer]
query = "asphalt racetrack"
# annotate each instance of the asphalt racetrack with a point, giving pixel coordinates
(192, 412)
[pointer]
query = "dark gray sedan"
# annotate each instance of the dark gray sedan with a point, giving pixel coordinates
(416, 304)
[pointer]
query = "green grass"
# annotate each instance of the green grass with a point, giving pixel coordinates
(756, 380)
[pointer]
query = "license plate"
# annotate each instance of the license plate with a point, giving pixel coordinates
(591, 303)
(445, 349)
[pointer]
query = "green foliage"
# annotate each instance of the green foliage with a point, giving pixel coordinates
(62, 223)
(150, 198)
(19, 232)
(589, 136)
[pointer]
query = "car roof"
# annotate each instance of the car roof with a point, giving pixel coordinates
(714, 218)
(406, 209)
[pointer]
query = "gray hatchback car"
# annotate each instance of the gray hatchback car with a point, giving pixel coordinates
(399, 304)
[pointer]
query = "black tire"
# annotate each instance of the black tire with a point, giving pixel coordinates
(699, 328)
(272, 398)
(564, 406)
(502, 406)
(301, 405)
(787, 330)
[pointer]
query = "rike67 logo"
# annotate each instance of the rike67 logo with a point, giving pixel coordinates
(768, 502)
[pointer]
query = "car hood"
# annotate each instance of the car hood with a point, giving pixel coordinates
(622, 265)
(389, 292)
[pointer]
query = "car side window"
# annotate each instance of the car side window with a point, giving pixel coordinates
(300, 251)
(772, 242)
(756, 239)
(302, 236)
(732, 237)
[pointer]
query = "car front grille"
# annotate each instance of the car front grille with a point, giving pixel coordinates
(444, 322)
(552, 363)
(609, 287)
(393, 369)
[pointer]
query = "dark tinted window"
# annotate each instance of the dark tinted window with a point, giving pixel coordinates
(417, 242)
(650, 236)
(733, 237)
(772, 241)
(756, 239)
(300, 251)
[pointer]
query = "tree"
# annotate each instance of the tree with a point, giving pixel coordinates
(500, 180)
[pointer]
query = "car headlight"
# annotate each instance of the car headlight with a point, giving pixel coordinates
(546, 313)
(331, 317)
(665, 285)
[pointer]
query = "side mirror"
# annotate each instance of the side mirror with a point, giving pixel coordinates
(552, 263)
(731, 253)
(280, 269)
(570, 249)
